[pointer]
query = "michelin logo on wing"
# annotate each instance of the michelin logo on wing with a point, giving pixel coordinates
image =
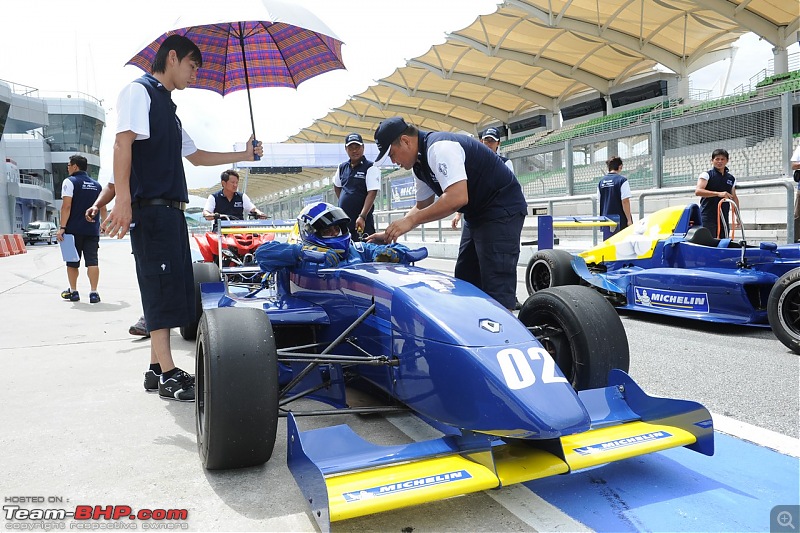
(676, 300)
(402, 486)
(622, 443)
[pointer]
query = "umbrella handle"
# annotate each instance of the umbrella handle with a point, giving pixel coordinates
(255, 157)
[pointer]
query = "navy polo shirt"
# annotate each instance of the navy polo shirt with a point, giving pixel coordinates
(233, 208)
(717, 182)
(157, 164)
(85, 191)
(493, 190)
(610, 191)
(354, 187)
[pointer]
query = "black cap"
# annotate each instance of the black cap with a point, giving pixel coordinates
(353, 138)
(388, 131)
(491, 133)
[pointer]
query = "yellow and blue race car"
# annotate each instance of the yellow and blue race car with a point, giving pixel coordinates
(668, 263)
(515, 399)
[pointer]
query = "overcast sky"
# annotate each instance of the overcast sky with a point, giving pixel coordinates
(63, 45)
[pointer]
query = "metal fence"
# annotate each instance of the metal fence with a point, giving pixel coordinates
(664, 147)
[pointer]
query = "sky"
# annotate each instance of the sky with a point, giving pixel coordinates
(83, 45)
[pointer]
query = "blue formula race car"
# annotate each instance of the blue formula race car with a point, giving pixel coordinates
(668, 263)
(515, 399)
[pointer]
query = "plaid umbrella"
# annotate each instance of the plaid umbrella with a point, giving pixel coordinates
(270, 44)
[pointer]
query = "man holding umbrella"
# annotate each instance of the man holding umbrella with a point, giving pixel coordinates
(151, 196)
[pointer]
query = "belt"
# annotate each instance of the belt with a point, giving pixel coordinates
(158, 201)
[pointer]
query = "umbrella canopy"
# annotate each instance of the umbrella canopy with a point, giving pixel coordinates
(256, 43)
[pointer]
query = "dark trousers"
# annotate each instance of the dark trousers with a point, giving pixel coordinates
(160, 242)
(488, 256)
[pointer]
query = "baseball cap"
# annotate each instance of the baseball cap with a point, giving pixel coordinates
(353, 138)
(388, 131)
(492, 133)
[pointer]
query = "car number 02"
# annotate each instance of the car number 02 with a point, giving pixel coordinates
(518, 371)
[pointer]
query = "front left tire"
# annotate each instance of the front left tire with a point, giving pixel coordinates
(236, 388)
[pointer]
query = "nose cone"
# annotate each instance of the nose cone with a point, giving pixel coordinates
(507, 391)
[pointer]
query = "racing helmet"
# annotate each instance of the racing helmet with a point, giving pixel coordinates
(318, 216)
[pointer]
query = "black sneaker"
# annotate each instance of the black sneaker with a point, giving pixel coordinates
(74, 297)
(517, 305)
(179, 387)
(151, 380)
(66, 293)
(94, 298)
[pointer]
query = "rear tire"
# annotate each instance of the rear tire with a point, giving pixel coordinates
(236, 383)
(590, 340)
(550, 268)
(203, 273)
(783, 309)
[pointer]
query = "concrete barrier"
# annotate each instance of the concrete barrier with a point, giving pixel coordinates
(12, 245)
(4, 250)
(11, 242)
(20, 243)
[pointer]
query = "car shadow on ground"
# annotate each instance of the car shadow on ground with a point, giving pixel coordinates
(716, 328)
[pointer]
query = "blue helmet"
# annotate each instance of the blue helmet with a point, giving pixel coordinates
(318, 216)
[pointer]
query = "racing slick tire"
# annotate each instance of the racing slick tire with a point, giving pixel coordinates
(550, 268)
(236, 387)
(582, 332)
(203, 273)
(783, 309)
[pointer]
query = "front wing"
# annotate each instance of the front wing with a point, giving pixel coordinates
(343, 476)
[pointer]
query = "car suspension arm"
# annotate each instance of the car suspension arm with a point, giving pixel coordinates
(312, 365)
(545, 332)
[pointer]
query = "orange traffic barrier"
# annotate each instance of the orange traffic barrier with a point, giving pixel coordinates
(12, 244)
(20, 243)
(4, 250)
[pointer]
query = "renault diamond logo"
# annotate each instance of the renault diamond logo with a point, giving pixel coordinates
(490, 325)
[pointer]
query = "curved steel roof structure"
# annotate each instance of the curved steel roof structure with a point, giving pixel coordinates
(538, 54)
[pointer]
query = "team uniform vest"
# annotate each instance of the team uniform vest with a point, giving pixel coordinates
(354, 188)
(157, 164)
(493, 190)
(717, 182)
(233, 208)
(85, 191)
(611, 198)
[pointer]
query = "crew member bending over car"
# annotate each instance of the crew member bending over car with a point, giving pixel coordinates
(229, 201)
(324, 230)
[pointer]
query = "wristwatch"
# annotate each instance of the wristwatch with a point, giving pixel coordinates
(63, 227)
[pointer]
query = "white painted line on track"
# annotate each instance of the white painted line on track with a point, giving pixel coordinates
(534, 511)
(763, 437)
(542, 516)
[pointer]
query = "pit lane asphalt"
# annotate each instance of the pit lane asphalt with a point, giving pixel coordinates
(77, 425)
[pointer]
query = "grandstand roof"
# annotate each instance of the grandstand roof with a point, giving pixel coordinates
(536, 54)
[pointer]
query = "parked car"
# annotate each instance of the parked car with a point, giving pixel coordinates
(669, 264)
(40, 231)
